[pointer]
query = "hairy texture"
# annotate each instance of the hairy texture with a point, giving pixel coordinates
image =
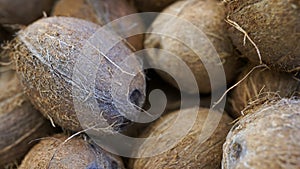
(103, 12)
(54, 153)
(266, 138)
(20, 123)
(152, 5)
(23, 12)
(45, 54)
(208, 17)
(274, 26)
(190, 152)
(260, 86)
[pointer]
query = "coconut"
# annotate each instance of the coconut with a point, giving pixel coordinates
(273, 26)
(268, 137)
(45, 55)
(208, 17)
(189, 152)
(54, 152)
(102, 13)
(20, 123)
(261, 85)
(152, 5)
(23, 12)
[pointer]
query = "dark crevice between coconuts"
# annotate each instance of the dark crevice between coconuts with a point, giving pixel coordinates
(97, 152)
(119, 122)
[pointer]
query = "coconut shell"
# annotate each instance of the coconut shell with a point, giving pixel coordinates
(23, 12)
(103, 12)
(152, 5)
(266, 138)
(206, 15)
(262, 85)
(54, 45)
(274, 26)
(20, 123)
(190, 152)
(54, 153)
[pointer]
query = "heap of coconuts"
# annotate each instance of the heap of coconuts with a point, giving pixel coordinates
(68, 69)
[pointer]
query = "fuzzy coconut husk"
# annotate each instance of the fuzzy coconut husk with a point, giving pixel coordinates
(103, 12)
(261, 85)
(152, 5)
(23, 12)
(268, 137)
(273, 26)
(54, 153)
(20, 123)
(45, 54)
(190, 152)
(208, 16)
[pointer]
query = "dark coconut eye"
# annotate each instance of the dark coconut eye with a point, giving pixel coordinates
(236, 151)
(135, 97)
(114, 165)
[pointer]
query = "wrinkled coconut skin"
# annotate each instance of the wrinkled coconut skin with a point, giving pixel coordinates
(266, 138)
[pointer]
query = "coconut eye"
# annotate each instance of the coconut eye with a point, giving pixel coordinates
(114, 165)
(135, 97)
(236, 151)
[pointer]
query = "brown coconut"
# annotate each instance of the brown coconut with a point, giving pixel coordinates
(190, 152)
(54, 153)
(266, 138)
(274, 27)
(20, 123)
(262, 84)
(103, 12)
(23, 12)
(45, 54)
(208, 16)
(152, 5)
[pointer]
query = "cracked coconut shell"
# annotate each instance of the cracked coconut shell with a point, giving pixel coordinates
(50, 51)
(268, 137)
(103, 12)
(274, 27)
(55, 153)
(208, 16)
(189, 152)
